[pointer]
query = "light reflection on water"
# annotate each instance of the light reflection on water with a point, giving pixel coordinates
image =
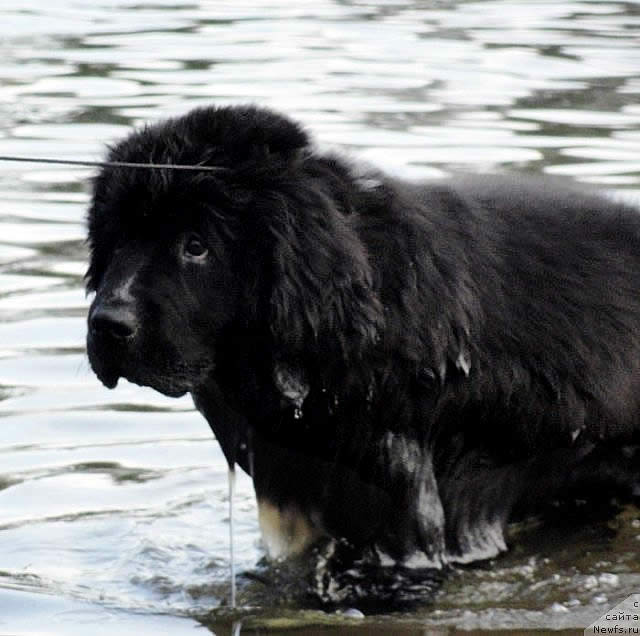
(119, 498)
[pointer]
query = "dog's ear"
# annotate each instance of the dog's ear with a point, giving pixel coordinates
(323, 301)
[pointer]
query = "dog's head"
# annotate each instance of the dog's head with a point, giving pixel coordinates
(181, 260)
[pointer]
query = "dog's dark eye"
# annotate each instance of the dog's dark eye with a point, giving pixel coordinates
(194, 247)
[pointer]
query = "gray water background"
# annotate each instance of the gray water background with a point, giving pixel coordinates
(113, 509)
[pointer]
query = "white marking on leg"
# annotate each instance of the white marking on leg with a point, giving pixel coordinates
(285, 531)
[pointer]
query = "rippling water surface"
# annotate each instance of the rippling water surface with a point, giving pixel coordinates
(113, 505)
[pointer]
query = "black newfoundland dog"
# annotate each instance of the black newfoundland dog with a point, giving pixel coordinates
(401, 367)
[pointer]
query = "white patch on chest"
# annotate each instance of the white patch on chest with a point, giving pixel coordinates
(286, 531)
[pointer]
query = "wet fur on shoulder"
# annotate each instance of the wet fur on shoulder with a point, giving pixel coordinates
(399, 366)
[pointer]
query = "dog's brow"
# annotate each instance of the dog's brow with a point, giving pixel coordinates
(114, 164)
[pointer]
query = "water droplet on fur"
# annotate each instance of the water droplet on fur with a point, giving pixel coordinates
(463, 362)
(231, 477)
(370, 393)
(292, 387)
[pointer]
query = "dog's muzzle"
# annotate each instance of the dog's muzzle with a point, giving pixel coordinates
(112, 327)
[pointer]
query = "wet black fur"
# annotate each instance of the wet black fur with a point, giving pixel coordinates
(470, 347)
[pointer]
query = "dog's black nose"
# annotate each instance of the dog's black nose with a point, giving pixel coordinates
(117, 322)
